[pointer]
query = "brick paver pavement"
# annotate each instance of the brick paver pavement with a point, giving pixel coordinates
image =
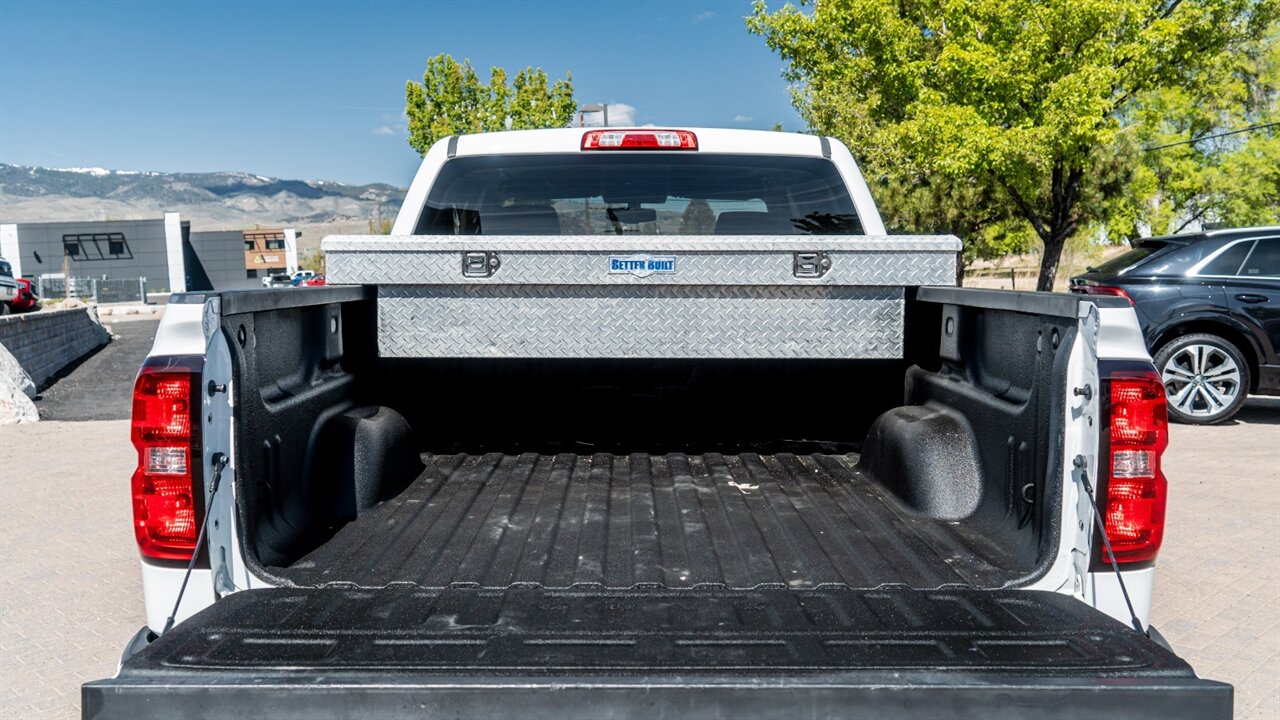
(70, 592)
(1217, 597)
(70, 595)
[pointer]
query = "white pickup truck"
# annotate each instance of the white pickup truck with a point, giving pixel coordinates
(641, 423)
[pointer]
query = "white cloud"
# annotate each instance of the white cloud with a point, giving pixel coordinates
(619, 114)
(622, 114)
(742, 118)
(703, 16)
(384, 130)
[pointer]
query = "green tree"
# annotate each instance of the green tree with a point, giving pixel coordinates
(1021, 97)
(1212, 148)
(698, 219)
(312, 259)
(535, 105)
(971, 210)
(451, 100)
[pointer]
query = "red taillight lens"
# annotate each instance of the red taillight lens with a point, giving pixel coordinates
(167, 500)
(1107, 290)
(639, 140)
(1134, 497)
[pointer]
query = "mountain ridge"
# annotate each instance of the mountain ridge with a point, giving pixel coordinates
(212, 200)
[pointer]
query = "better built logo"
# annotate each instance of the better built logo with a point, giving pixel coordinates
(641, 265)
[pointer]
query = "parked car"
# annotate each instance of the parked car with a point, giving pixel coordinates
(314, 281)
(27, 299)
(761, 467)
(1209, 307)
(299, 276)
(277, 279)
(8, 287)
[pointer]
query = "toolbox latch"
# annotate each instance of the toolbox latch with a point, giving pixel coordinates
(811, 264)
(480, 264)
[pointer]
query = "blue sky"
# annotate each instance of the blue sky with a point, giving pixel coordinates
(315, 90)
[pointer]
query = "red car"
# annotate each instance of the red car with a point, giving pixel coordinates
(27, 300)
(315, 281)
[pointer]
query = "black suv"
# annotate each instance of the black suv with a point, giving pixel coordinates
(1209, 305)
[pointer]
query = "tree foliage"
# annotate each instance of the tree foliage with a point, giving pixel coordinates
(1017, 101)
(963, 207)
(312, 259)
(698, 219)
(451, 100)
(1213, 147)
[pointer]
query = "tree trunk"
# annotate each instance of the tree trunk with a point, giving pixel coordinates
(960, 269)
(1058, 225)
(1053, 245)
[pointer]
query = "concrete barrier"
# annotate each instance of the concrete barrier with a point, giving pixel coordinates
(45, 342)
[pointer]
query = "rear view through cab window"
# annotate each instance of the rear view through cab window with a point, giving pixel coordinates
(631, 194)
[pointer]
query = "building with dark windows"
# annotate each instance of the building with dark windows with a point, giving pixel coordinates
(161, 255)
(267, 251)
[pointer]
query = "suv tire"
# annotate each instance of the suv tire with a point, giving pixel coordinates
(1206, 378)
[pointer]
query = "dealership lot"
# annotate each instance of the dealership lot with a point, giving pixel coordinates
(70, 595)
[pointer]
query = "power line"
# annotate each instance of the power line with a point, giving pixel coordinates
(1251, 128)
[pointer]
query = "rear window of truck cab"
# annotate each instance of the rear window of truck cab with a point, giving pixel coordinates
(638, 194)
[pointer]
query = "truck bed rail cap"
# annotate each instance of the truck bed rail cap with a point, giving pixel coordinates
(634, 243)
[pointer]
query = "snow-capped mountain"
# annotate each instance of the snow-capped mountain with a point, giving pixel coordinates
(218, 199)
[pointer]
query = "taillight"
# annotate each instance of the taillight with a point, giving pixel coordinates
(1106, 290)
(167, 498)
(639, 140)
(1134, 490)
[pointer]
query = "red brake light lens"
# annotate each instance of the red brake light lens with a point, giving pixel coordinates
(1136, 490)
(1107, 290)
(647, 139)
(167, 497)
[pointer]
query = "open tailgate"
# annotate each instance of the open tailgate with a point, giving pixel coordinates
(530, 653)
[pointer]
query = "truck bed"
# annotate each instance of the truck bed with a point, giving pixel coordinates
(664, 521)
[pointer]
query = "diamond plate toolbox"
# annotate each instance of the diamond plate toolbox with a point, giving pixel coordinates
(641, 297)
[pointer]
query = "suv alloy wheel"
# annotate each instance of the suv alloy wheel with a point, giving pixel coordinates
(1205, 377)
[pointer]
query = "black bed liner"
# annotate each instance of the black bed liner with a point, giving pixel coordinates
(535, 653)
(671, 521)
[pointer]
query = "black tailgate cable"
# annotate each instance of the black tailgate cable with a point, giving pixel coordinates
(219, 461)
(1106, 543)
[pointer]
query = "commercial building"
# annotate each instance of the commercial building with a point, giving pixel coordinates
(164, 255)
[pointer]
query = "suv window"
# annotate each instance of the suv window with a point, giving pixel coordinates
(1228, 263)
(1264, 261)
(640, 194)
(1129, 258)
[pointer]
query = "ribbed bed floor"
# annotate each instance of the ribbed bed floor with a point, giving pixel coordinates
(675, 521)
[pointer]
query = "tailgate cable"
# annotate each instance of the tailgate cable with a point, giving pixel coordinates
(219, 462)
(1106, 543)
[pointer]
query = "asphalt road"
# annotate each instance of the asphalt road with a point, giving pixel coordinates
(100, 386)
(70, 594)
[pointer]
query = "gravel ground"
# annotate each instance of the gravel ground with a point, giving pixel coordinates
(70, 595)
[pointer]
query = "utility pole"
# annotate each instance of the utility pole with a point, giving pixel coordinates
(600, 108)
(66, 273)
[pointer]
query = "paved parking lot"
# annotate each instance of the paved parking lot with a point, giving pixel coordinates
(1218, 584)
(100, 387)
(70, 594)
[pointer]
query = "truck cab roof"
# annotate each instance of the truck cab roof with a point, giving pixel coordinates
(570, 141)
(709, 140)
